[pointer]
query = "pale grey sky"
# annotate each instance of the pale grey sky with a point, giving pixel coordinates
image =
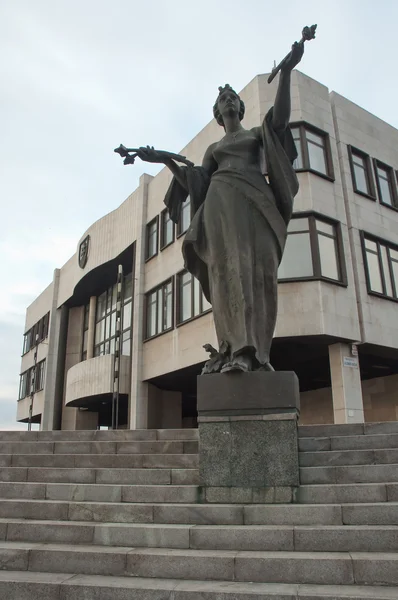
(80, 76)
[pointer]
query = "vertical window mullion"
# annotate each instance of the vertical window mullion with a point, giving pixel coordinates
(304, 146)
(314, 242)
(380, 259)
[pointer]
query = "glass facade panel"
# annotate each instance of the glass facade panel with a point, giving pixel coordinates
(167, 229)
(317, 157)
(329, 258)
(159, 304)
(298, 225)
(384, 183)
(298, 163)
(185, 218)
(297, 258)
(325, 228)
(152, 238)
(386, 270)
(374, 272)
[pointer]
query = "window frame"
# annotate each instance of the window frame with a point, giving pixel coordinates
(353, 151)
(108, 337)
(304, 126)
(148, 225)
(160, 286)
(86, 312)
(388, 245)
(391, 182)
(313, 217)
(202, 312)
(40, 368)
(164, 245)
(41, 329)
(179, 224)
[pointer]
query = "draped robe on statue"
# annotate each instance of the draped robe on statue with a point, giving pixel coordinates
(237, 236)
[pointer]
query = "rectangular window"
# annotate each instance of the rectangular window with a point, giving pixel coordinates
(105, 320)
(85, 331)
(313, 149)
(36, 334)
(185, 217)
(381, 266)
(313, 250)
(159, 309)
(166, 230)
(152, 238)
(191, 299)
(361, 172)
(32, 380)
(385, 184)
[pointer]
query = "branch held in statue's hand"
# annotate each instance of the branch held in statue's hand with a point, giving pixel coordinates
(149, 154)
(296, 53)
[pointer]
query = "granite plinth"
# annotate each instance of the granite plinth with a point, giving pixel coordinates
(248, 436)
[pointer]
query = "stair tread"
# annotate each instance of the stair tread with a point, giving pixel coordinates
(227, 588)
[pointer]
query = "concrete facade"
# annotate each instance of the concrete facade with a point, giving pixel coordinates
(333, 329)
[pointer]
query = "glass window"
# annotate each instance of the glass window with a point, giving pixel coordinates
(185, 217)
(152, 238)
(191, 300)
(106, 318)
(361, 174)
(312, 149)
(385, 185)
(382, 267)
(159, 310)
(167, 232)
(36, 334)
(311, 250)
(298, 163)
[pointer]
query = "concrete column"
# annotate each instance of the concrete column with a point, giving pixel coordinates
(55, 364)
(346, 384)
(138, 401)
(91, 326)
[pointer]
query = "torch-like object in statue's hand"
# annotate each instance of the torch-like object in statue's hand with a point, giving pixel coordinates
(307, 34)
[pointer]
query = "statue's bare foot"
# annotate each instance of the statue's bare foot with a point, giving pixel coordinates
(239, 363)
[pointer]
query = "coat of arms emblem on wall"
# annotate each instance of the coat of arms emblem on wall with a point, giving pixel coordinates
(83, 252)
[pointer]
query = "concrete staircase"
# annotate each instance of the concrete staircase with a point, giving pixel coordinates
(102, 515)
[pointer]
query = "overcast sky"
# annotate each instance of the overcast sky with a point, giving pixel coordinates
(78, 77)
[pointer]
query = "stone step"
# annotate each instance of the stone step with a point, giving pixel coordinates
(348, 429)
(202, 514)
(348, 457)
(100, 435)
(348, 474)
(186, 493)
(326, 568)
(315, 538)
(26, 585)
(106, 461)
(353, 442)
(80, 492)
(71, 447)
(347, 493)
(103, 476)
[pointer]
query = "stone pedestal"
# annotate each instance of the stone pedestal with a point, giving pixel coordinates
(248, 449)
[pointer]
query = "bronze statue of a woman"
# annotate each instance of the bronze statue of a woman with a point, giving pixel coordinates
(237, 236)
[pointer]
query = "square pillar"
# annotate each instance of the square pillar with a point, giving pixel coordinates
(248, 449)
(346, 384)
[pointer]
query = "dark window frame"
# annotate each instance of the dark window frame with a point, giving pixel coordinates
(304, 126)
(164, 244)
(27, 376)
(109, 336)
(41, 329)
(160, 286)
(388, 245)
(315, 252)
(391, 182)
(181, 232)
(202, 312)
(352, 151)
(148, 225)
(86, 313)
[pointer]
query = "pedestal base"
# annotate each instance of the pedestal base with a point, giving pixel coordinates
(248, 450)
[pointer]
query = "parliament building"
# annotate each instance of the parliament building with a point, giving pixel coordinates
(121, 316)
